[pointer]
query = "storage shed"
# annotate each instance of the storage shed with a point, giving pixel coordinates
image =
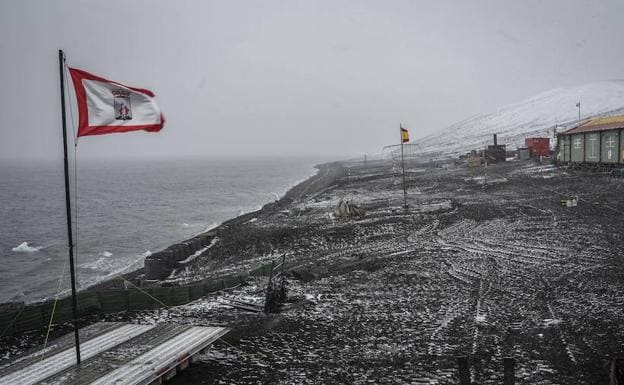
(538, 146)
(497, 152)
(592, 142)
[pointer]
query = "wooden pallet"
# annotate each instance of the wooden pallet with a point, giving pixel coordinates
(113, 353)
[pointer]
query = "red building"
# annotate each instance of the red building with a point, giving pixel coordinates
(538, 146)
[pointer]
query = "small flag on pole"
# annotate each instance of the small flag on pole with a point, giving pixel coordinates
(404, 135)
(105, 106)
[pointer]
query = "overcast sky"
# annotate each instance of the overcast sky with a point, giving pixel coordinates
(294, 77)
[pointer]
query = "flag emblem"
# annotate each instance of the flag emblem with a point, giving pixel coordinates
(404, 135)
(105, 106)
(122, 104)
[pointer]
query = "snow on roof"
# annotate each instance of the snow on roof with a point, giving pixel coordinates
(598, 124)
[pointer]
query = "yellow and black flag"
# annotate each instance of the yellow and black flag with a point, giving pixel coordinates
(404, 135)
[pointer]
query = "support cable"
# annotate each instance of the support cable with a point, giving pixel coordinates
(58, 293)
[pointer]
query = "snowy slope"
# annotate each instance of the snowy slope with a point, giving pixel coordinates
(533, 117)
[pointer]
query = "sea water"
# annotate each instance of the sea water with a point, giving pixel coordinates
(122, 211)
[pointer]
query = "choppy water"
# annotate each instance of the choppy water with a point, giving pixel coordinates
(125, 210)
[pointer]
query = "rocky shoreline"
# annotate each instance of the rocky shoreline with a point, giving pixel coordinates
(159, 266)
(15, 339)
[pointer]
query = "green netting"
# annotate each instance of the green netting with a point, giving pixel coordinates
(30, 318)
(88, 303)
(180, 295)
(37, 316)
(196, 291)
(162, 294)
(113, 301)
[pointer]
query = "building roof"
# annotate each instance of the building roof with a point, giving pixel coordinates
(598, 124)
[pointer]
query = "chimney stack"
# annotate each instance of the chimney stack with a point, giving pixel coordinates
(495, 141)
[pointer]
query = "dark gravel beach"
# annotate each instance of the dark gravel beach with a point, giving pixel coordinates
(480, 271)
(485, 264)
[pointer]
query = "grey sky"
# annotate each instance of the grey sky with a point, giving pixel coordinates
(294, 77)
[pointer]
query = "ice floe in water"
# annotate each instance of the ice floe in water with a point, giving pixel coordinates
(24, 247)
(107, 253)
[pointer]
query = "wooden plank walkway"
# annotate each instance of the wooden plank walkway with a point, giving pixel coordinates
(114, 353)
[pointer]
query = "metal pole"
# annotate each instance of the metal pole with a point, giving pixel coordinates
(403, 167)
(68, 207)
(579, 106)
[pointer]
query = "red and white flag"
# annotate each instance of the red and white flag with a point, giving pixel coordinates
(105, 106)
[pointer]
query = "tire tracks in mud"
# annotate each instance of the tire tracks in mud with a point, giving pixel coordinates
(491, 263)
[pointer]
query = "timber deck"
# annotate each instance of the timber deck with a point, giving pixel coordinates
(113, 353)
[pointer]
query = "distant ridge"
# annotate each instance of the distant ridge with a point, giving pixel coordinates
(535, 116)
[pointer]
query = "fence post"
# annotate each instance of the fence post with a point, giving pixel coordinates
(464, 370)
(269, 293)
(509, 365)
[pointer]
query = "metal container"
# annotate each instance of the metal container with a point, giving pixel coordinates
(592, 147)
(538, 146)
(609, 143)
(577, 153)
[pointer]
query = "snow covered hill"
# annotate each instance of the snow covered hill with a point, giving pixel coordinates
(533, 117)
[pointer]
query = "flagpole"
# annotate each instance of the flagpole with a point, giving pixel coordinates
(68, 207)
(403, 167)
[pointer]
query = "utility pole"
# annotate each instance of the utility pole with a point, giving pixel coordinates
(403, 167)
(579, 110)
